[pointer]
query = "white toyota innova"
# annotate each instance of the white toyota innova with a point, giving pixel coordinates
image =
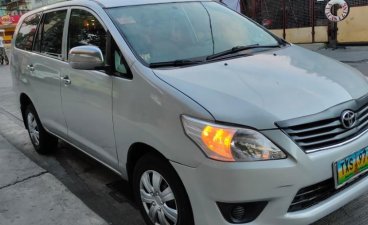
(212, 119)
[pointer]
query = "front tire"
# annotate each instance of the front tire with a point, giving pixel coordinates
(42, 141)
(160, 194)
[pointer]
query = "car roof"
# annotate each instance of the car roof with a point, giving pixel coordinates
(116, 3)
(105, 4)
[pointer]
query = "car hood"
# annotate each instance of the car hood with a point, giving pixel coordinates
(272, 86)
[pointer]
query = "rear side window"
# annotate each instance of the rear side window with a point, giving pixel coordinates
(27, 31)
(51, 33)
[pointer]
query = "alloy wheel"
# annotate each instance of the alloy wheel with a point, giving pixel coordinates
(33, 129)
(158, 199)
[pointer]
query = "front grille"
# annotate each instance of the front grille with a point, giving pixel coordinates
(314, 194)
(325, 129)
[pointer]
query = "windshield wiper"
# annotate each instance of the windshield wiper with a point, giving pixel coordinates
(186, 62)
(176, 63)
(239, 49)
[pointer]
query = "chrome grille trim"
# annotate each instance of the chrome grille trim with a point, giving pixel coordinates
(324, 130)
(337, 145)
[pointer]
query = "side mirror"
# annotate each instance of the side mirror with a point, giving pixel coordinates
(86, 58)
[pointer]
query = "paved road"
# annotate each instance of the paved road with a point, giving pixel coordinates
(100, 189)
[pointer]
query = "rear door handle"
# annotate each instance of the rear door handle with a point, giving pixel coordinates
(66, 80)
(30, 68)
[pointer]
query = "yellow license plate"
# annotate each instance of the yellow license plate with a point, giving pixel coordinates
(350, 167)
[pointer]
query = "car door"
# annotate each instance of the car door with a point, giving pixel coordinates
(22, 53)
(87, 95)
(47, 64)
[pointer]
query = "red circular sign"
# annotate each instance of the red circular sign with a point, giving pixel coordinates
(345, 10)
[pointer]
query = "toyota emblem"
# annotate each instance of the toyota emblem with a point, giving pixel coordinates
(348, 119)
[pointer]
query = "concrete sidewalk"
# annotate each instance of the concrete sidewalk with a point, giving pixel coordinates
(355, 56)
(346, 54)
(29, 195)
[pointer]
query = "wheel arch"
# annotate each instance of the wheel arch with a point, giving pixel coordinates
(137, 151)
(25, 101)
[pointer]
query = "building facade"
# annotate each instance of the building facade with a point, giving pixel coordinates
(12, 10)
(305, 21)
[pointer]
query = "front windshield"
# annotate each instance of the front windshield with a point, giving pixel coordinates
(180, 31)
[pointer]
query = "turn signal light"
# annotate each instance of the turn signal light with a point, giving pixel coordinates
(219, 141)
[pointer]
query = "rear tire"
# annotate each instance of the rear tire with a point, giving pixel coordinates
(160, 194)
(42, 141)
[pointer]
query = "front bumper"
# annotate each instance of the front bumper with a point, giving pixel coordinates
(276, 182)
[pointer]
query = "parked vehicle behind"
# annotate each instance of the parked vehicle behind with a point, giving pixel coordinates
(211, 118)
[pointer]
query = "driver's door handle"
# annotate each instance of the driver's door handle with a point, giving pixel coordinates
(30, 68)
(66, 80)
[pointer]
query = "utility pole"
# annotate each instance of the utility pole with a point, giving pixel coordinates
(332, 31)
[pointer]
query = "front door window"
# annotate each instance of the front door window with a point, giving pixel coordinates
(85, 29)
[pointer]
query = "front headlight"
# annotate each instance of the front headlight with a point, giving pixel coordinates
(232, 144)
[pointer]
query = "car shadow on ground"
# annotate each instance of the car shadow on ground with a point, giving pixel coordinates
(97, 186)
